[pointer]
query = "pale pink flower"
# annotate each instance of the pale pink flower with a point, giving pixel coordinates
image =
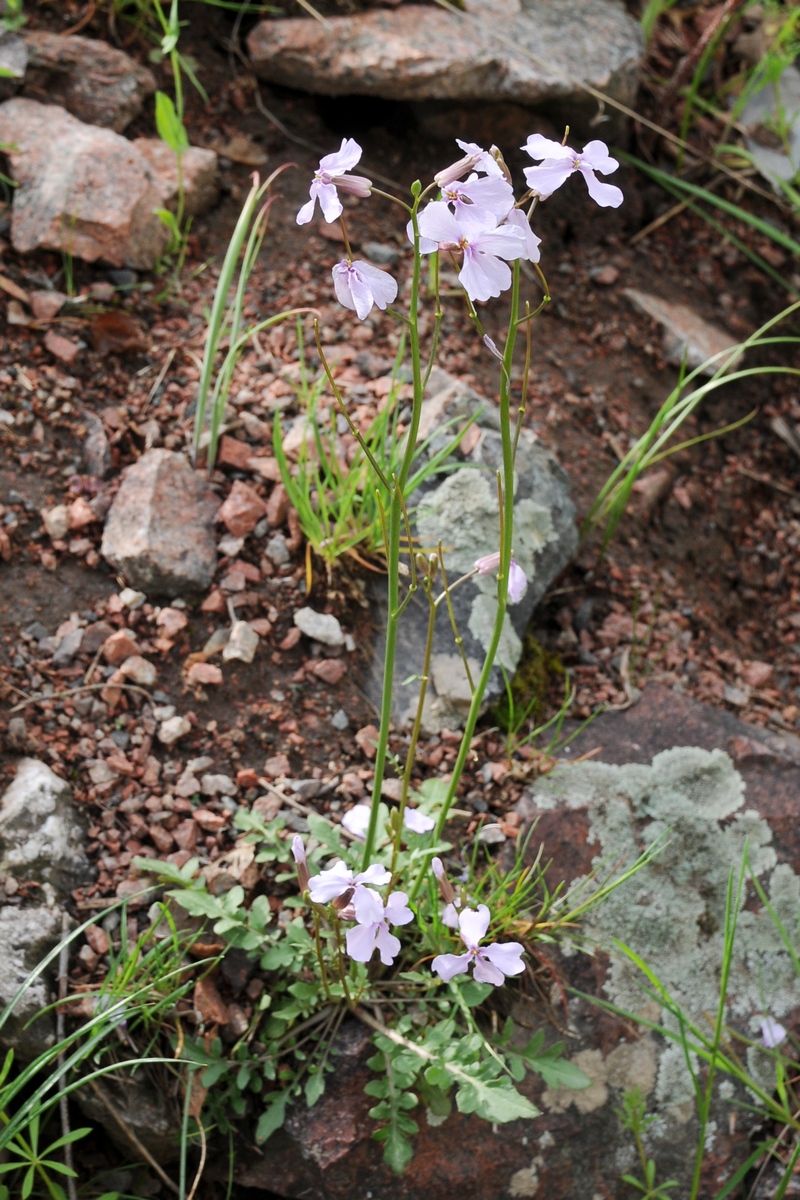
(299, 856)
(374, 918)
(484, 160)
(561, 161)
(517, 580)
(772, 1032)
(359, 286)
(483, 274)
(491, 963)
(517, 220)
(330, 179)
(489, 194)
(417, 822)
(331, 884)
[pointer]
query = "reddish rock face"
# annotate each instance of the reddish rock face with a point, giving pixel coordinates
(159, 530)
(577, 1149)
(81, 189)
(198, 171)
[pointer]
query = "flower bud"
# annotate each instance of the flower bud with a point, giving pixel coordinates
(445, 886)
(501, 162)
(299, 856)
(457, 170)
(354, 185)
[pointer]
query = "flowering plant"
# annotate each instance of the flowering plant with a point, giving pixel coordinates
(385, 924)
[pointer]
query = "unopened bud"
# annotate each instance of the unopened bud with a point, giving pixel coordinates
(299, 856)
(355, 185)
(501, 162)
(445, 886)
(456, 170)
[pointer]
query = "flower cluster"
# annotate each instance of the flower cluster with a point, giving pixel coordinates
(476, 219)
(355, 898)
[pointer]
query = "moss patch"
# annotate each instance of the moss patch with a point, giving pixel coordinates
(533, 681)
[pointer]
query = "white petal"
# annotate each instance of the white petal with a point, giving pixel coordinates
(491, 193)
(473, 925)
(343, 159)
(506, 956)
(517, 219)
(597, 156)
(517, 583)
(438, 223)
(446, 966)
(437, 866)
(541, 147)
(388, 944)
(397, 910)
(298, 849)
(368, 906)
(329, 202)
(426, 245)
(486, 972)
(604, 194)
(363, 298)
(375, 875)
(417, 822)
(450, 916)
(772, 1032)
(381, 284)
(505, 242)
(330, 884)
(360, 942)
(356, 819)
(307, 211)
(483, 276)
(550, 175)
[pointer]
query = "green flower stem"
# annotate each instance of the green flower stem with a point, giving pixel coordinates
(393, 548)
(507, 527)
(415, 732)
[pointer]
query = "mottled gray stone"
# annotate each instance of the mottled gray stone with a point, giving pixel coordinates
(159, 531)
(545, 51)
(27, 935)
(460, 510)
(41, 835)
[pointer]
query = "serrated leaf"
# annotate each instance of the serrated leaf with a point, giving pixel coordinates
(377, 1087)
(382, 1111)
(397, 1151)
(495, 1101)
(560, 1073)
(272, 1117)
(315, 1086)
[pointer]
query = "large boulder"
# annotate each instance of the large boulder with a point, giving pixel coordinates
(529, 53)
(80, 189)
(198, 174)
(460, 510)
(41, 834)
(94, 81)
(601, 815)
(159, 530)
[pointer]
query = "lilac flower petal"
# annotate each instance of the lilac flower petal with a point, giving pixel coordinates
(426, 245)
(330, 884)
(360, 942)
(447, 966)
(438, 223)
(492, 348)
(397, 911)
(388, 944)
(489, 194)
(539, 146)
(307, 211)
(298, 849)
(382, 285)
(517, 219)
(486, 972)
(356, 819)
(487, 564)
(437, 866)
(545, 179)
(483, 276)
(604, 194)
(329, 201)
(772, 1032)
(368, 906)
(473, 925)
(517, 583)
(506, 956)
(450, 916)
(375, 875)
(417, 822)
(596, 155)
(506, 242)
(483, 159)
(361, 293)
(343, 159)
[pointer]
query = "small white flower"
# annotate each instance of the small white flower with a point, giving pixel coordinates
(491, 963)
(372, 931)
(560, 162)
(359, 287)
(772, 1032)
(330, 176)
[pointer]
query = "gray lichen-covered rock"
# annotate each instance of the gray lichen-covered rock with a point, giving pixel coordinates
(41, 834)
(80, 189)
(461, 511)
(94, 81)
(27, 935)
(530, 54)
(159, 530)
